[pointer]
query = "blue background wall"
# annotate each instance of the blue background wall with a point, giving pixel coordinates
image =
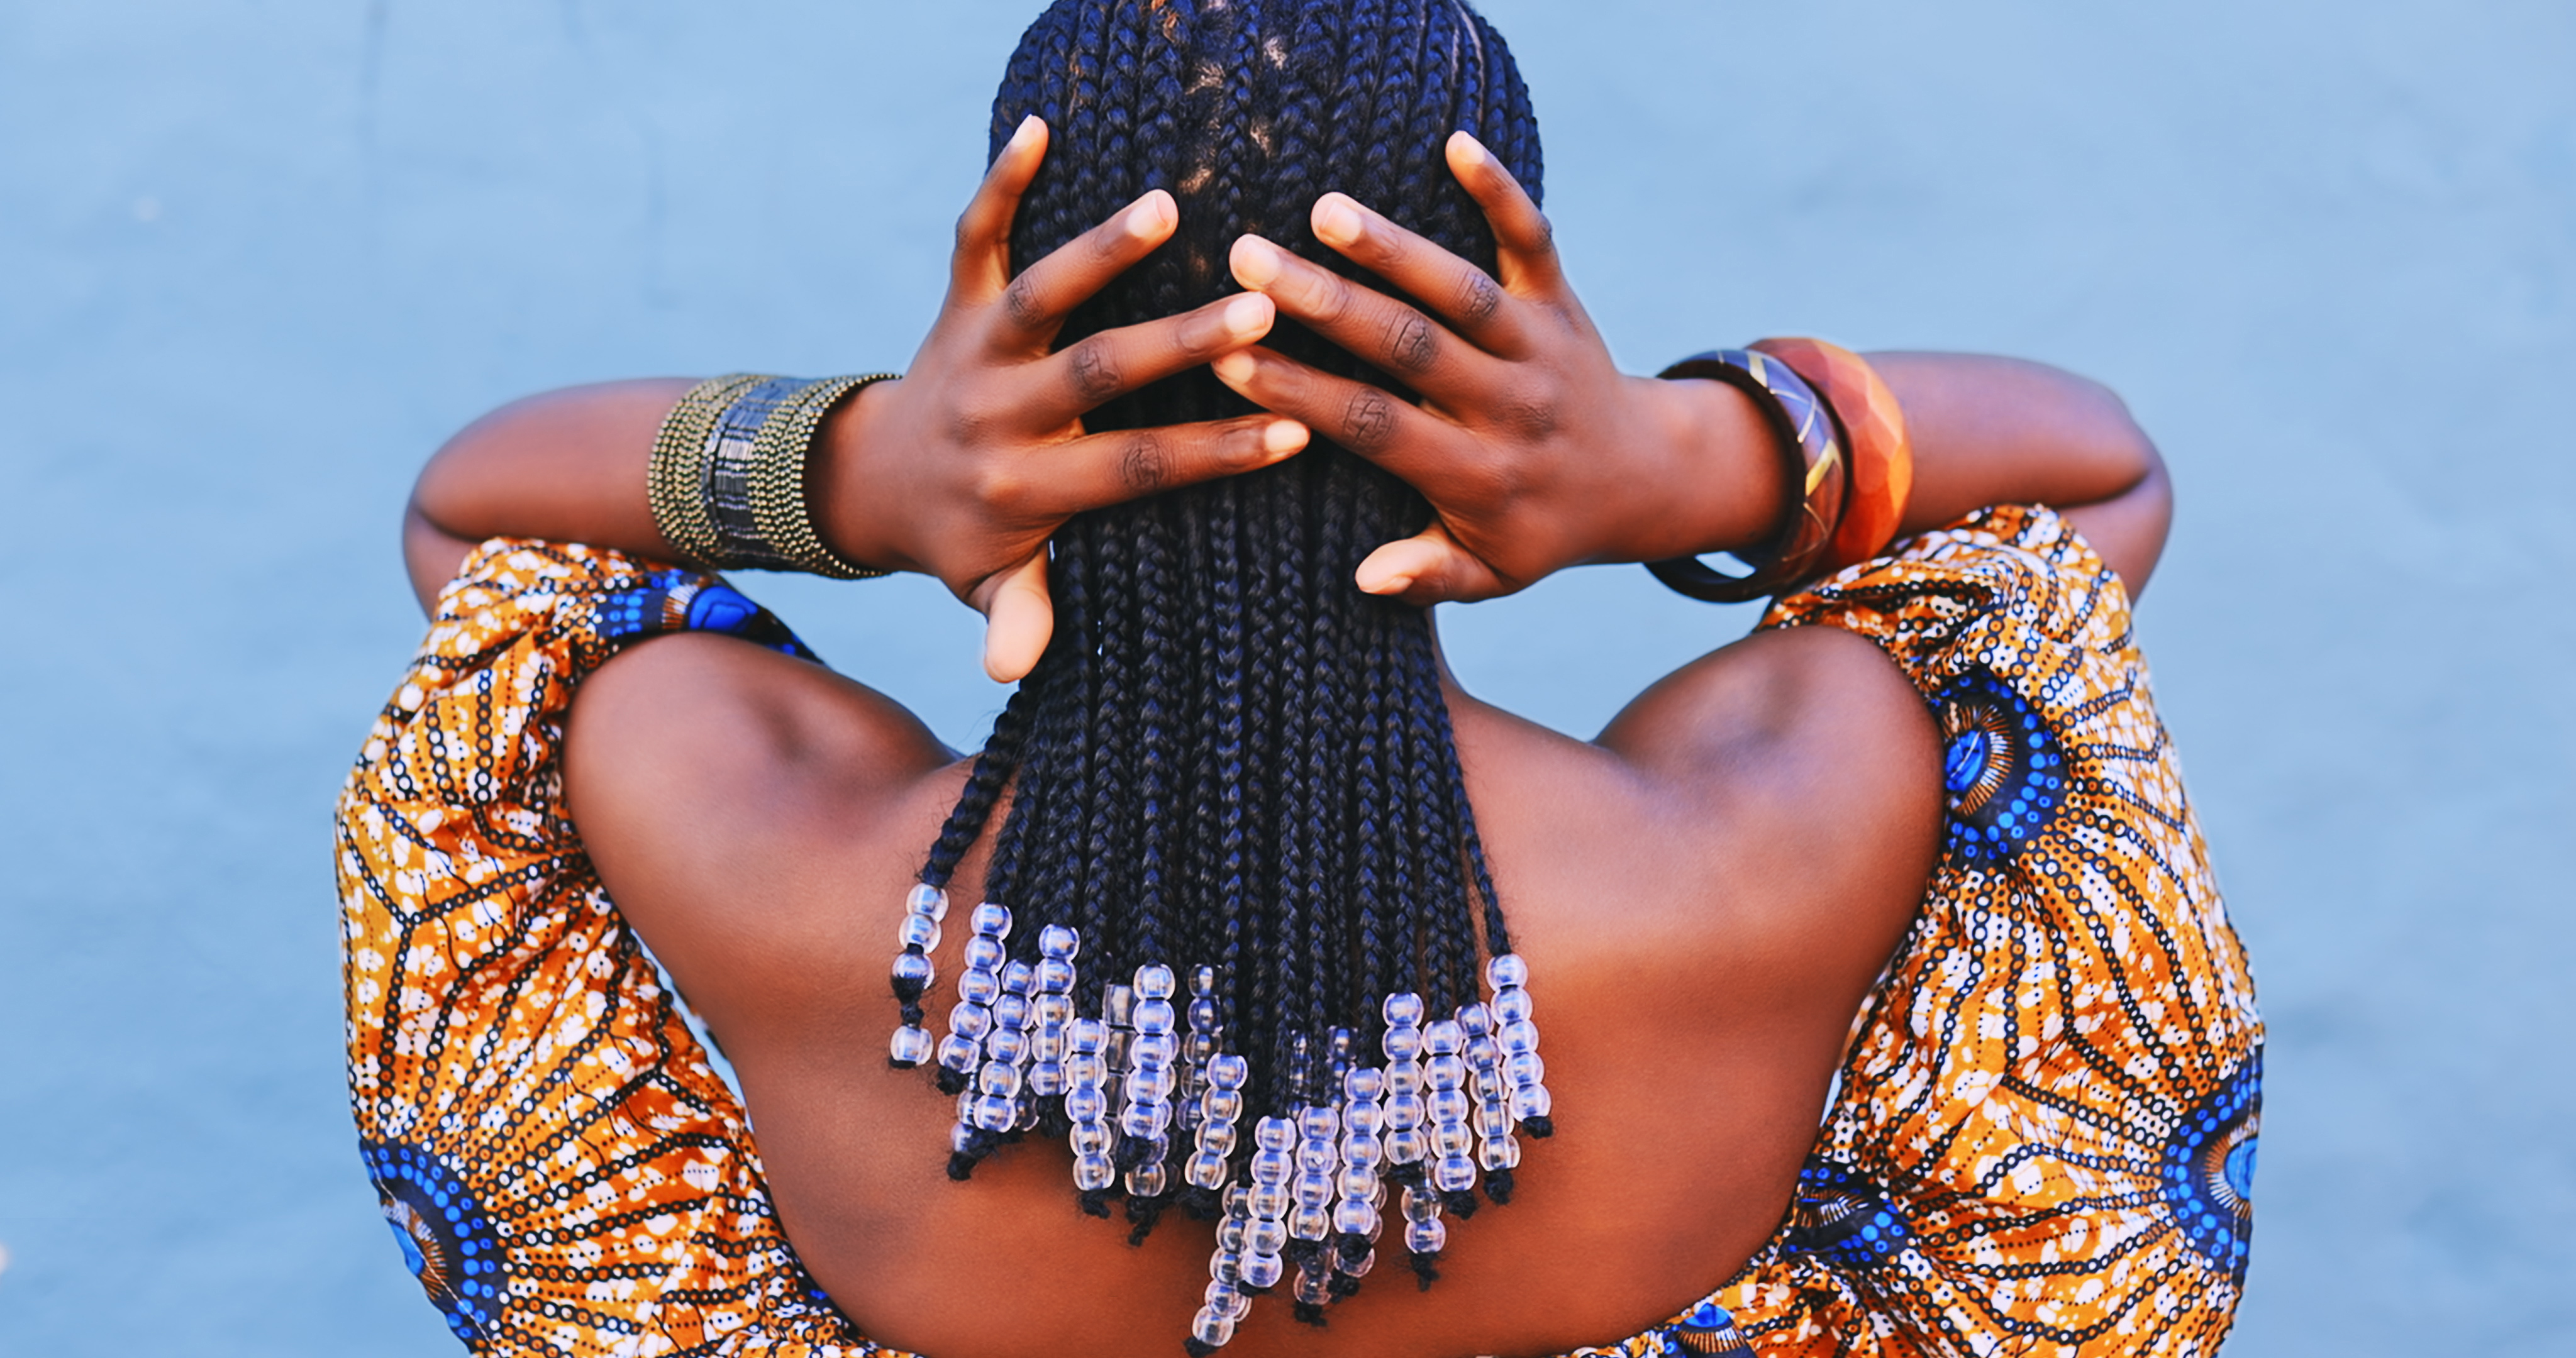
(258, 256)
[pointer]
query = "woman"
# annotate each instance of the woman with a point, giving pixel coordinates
(1912, 861)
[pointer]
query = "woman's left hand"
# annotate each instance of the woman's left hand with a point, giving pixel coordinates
(1534, 449)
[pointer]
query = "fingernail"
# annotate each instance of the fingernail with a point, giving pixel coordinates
(1247, 316)
(1336, 221)
(1393, 584)
(1148, 218)
(1283, 436)
(1256, 262)
(1235, 369)
(1470, 150)
(1027, 130)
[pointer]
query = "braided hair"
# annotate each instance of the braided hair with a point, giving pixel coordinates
(1229, 759)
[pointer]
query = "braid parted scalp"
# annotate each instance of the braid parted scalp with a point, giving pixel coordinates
(1229, 756)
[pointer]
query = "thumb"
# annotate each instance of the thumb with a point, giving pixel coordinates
(1019, 618)
(1429, 568)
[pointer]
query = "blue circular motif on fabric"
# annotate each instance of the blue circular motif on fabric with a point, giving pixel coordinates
(1708, 1329)
(2208, 1169)
(1845, 1217)
(2004, 769)
(721, 608)
(446, 1237)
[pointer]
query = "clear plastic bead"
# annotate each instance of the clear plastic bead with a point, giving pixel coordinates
(1318, 1157)
(1086, 1068)
(1019, 978)
(1155, 1017)
(1310, 1221)
(1404, 1111)
(1226, 1266)
(1229, 1302)
(1203, 980)
(1203, 1015)
(1513, 1006)
(1452, 1139)
(1221, 1105)
(1265, 1235)
(1402, 1010)
(1314, 1287)
(1499, 1152)
(1420, 1205)
(1364, 1084)
(1145, 1119)
(1319, 1123)
(961, 1137)
(1087, 1103)
(958, 1053)
(1444, 1072)
(1444, 1038)
(1148, 1180)
(995, 1113)
(1454, 1174)
(1494, 1118)
(1217, 1138)
(1058, 942)
(1151, 1084)
(1483, 1054)
(1359, 1267)
(925, 899)
(1000, 1079)
(1531, 1101)
(1517, 1038)
(911, 1045)
(1401, 1045)
(1204, 1170)
(1448, 1105)
(1086, 1035)
(1229, 1072)
(1364, 1119)
(913, 969)
(1354, 1216)
(986, 953)
(979, 985)
(1212, 1327)
(1507, 971)
(1355, 1182)
(1161, 1048)
(1526, 1069)
(1406, 1146)
(1270, 1166)
(1426, 1237)
(1231, 1233)
(1012, 1010)
(1314, 1190)
(1055, 977)
(992, 919)
(1262, 1270)
(1363, 1151)
(1154, 981)
(969, 1019)
(1269, 1201)
(1092, 1173)
(1274, 1134)
(1007, 1045)
(1117, 1003)
(1403, 1077)
(1475, 1020)
(918, 931)
(1090, 1137)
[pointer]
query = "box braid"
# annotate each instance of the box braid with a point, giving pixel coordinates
(1229, 756)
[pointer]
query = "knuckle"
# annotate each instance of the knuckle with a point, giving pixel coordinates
(1333, 298)
(1094, 371)
(963, 234)
(999, 484)
(1532, 418)
(1022, 303)
(1479, 296)
(1144, 462)
(1411, 344)
(1368, 421)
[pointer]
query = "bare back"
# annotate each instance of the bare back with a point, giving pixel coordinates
(1705, 893)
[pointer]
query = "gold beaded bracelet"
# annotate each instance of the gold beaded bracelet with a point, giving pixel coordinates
(727, 483)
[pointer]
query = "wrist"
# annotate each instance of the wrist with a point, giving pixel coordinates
(1714, 481)
(850, 480)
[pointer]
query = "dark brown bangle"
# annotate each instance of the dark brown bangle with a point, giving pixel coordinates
(1812, 464)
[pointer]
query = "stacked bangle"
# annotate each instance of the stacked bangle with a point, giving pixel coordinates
(1874, 439)
(728, 477)
(1815, 474)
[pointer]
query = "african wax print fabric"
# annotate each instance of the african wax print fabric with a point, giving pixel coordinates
(2042, 1143)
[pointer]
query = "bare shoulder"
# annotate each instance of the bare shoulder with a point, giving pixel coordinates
(1811, 767)
(725, 793)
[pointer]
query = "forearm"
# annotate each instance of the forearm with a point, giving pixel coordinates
(568, 465)
(1985, 431)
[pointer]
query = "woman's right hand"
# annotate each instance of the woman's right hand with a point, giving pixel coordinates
(968, 465)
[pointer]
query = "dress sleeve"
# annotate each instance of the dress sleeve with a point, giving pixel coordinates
(562, 1168)
(2043, 1135)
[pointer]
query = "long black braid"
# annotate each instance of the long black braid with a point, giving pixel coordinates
(1229, 756)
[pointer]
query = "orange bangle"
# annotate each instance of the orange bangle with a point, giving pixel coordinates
(1873, 425)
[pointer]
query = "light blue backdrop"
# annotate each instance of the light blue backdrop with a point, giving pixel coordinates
(258, 256)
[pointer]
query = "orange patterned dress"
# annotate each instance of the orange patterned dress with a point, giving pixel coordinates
(2042, 1141)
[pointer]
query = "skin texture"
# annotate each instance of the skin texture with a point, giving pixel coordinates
(1705, 891)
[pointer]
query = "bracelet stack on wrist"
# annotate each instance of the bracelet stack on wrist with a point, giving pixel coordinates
(727, 482)
(1847, 464)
